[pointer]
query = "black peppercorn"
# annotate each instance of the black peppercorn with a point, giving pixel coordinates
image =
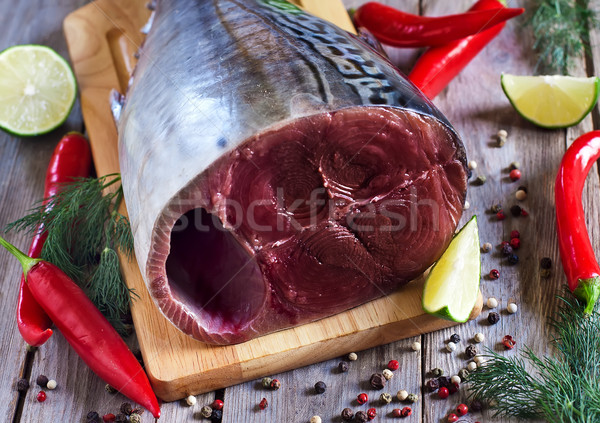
(126, 408)
(343, 367)
(361, 417)
(476, 405)
(444, 381)
(513, 259)
(22, 385)
(455, 338)
(110, 389)
(216, 415)
(471, 351)
(493, 318)
(92, 417)
(507, 250)
(347, 414)
(320, 387)
(377, 381)
(120, 418)
(522, 188)
(42, 381)
(546, 263)
(433, 385)
(515, 211)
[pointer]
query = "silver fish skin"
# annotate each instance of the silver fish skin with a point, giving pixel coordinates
(216, 82)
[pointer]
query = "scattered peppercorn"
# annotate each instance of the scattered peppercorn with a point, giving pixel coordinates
(275, 384)
(545, 273)
(512, 308)
(471, 351)
(217, 404)
(521, 195)
(343, 367)
(479, 337)
(515, 210)
(361, 417)
(452, 418)
(492, 302)
(41, 396)
(515, 234)
(189, 400)
(500, 215)
(393, 365)
(444, 381)
(126, 408)
(463, 374)
(22, 385)
(450, 346)
(496, 208)
(262, 405)
(443, 393)
(494, 274)
(406, 411)
(546, 263)
(524, 213)
(320, 387)
(92, 417)
(120, 418)
(467, 205)
(513, 259)
(432, 385)
(135, 418)
(362, 398)
(455, 379)
(347, 414)
(377, 381)
(508, 342)
(110, 417)
(315, 419)
(387, 374)
(455, 337)
(371, 413)
(506, 249)
(51, 384)
(501, 137)
(352, 357)
(486, 248)
(42, 381)
(514, 165)
(472, 366)
(402, 395)
(472, 165)
(437, 372)
(266, 382)
(515, 243)
(110, 389)
(385, 398)
(216, 415)
(476, 405)
(515, 175)
(480, 180)
(462, 409)
(396, 412)
(493, 318)
(206, 411)
(412, 398)
(416, 346)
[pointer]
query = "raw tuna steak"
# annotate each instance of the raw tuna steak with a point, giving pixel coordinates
(277, 170)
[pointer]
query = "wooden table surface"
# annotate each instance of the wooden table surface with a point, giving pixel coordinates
(473, 102)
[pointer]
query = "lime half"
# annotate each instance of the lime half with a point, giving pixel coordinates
(452, 286)
(37, 90)
(553, 101)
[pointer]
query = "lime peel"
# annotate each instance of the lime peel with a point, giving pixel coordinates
(452, 287)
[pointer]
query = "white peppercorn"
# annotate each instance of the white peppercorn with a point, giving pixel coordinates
(51, 384)
(472, 366)
(512, 308)
(352, 356)
(416, 346)
(315, 419)
(190, 400)
(492, 302)
(467, 205)
(455, 379)
(479, 337)
(387, 374)
(472, 165)
(487, 247)
(402, 395)
(450, 346)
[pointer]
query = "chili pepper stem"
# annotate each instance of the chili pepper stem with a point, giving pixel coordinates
(26, 261)
(588, 291)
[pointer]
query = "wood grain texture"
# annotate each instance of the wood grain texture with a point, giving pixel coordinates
(176, 364)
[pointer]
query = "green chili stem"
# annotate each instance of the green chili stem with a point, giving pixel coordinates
(26, 261)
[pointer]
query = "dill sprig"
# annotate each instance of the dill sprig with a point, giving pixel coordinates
(561, 33)
(558, 388)
(84, 232)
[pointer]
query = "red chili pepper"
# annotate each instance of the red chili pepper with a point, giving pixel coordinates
(399, 29)
(86, 329)
(439, 65)
(576, 252)
(71, 159)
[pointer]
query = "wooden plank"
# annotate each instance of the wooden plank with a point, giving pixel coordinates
(332, 10)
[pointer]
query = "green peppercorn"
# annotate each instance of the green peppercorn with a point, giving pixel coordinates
(266, 383)
(481, 179)
(385, 398)
(463, 374)
(496, 208)
(412, 398)
(514, 165)
(135, 418)
(110, 389)
(437, 372)
(126, 408)
(206, 412)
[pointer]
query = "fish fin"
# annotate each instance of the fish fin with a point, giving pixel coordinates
(307, 104)
(116, 104)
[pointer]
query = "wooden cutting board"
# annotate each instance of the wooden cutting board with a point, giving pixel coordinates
(103, 37)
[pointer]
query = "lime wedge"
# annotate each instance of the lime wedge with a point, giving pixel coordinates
(452, 286)
(553, 101)
(37, 90)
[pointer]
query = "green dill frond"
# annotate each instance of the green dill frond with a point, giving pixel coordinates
(561, 33)
(558, 388)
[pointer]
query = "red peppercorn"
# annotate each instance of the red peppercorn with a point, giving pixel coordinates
(515, 175)
(393, 365)
(41, 396)
(362, 398)
(396, 412)
(524, 213)
(494, 274)
(263, 404)
(406, 411)
(500, 215)
(109, 417)
(217, 405)
(452, 417)
(443, 393)
(515, 243)
(515, 234)
(509, 342)
(453, 388)
(462, 409)
(371, 413)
